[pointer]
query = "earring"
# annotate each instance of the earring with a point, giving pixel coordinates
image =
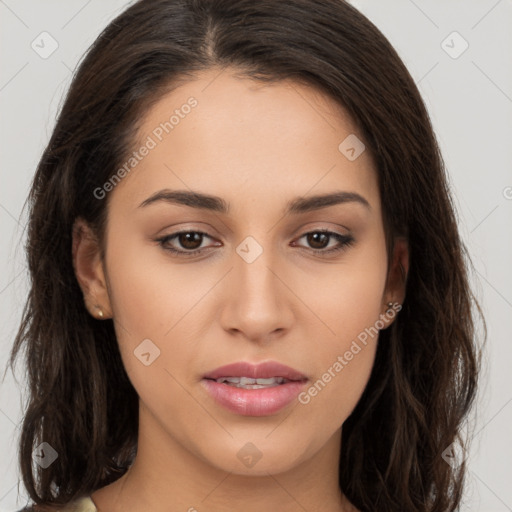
(390, 307)
(100, 311)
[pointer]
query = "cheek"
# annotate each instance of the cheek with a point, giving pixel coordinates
(343, 364)
(349, 306)
(350, 299)
(149, 294)
(153, 303)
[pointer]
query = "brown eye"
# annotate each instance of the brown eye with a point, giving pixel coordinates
(318, 241)
(188, 242)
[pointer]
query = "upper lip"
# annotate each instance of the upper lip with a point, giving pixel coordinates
(263, 370)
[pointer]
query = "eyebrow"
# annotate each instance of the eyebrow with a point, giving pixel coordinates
(219, 205)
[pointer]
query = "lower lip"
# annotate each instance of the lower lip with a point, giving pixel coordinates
(254, 402)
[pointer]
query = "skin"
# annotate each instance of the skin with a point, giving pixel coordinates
(257, 146)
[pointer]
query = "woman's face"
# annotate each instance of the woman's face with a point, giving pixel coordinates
(266, 286)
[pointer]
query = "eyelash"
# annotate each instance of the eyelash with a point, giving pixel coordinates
(344, 240)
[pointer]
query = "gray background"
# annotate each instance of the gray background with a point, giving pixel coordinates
(469, 97)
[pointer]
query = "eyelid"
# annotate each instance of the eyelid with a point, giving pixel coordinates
(344, 240)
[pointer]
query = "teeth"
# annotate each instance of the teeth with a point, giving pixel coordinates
(249, 383)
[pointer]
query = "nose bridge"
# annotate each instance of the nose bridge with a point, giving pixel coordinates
(257, 304)
(252, 269)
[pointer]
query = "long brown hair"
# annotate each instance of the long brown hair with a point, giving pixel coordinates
(424, 379)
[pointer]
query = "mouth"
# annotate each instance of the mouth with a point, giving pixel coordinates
(268, 373)
(249, 383)
(254, 389)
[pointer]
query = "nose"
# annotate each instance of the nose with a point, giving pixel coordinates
(257, 305)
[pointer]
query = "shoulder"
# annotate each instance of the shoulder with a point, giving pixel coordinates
(84, 504)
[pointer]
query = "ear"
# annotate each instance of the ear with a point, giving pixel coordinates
(89, 270)
(396, 281)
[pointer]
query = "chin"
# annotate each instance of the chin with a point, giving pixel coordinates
(257, 458)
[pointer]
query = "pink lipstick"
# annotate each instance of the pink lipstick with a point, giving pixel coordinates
(254, 389)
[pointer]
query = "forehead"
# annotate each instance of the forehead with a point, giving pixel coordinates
(226, 135)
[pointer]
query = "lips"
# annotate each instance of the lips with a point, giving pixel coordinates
(250, 389)
(266, 370)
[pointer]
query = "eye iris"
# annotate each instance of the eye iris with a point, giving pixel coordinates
(313, 237)
(188, 238)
